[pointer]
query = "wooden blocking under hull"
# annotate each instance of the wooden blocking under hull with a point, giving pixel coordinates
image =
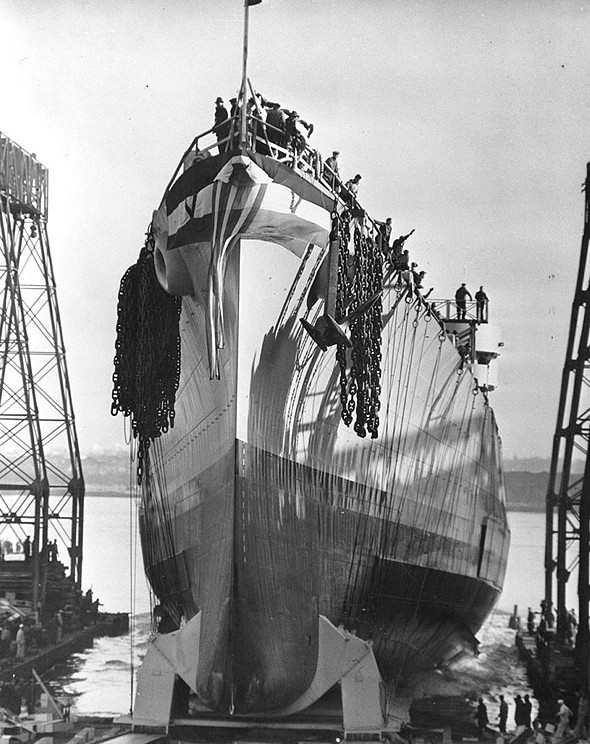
(343, 659)
(155, 687)
(346, 659)
(168, 655)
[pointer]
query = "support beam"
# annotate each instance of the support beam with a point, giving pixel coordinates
(567, 509)
(41, 495)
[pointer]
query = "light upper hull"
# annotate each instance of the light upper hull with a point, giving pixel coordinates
(262, 510)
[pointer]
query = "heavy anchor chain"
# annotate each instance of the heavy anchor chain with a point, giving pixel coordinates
(353, 303)
(147, 353)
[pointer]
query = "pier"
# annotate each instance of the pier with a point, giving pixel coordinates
(556, 653)
(106, 624)
(551, 672)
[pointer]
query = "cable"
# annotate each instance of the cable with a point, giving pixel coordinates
(132, 477)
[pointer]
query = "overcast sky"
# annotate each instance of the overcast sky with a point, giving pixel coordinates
(469, 121)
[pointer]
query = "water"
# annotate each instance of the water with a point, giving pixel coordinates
(99, 679)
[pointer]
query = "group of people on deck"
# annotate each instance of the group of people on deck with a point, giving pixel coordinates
(280, 126)
(285, 128)
(481, 303)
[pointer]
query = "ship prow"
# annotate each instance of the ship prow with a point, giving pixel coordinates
(322, 483)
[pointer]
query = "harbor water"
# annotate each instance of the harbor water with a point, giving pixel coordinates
(99, 680)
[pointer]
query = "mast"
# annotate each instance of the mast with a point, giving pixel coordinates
(244, 86)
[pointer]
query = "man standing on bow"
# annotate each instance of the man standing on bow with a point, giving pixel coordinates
(481, 306)
(460, 298)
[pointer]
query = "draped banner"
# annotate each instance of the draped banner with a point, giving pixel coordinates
(220, 199)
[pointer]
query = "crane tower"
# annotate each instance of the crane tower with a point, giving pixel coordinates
(568, 496)
(41, 481)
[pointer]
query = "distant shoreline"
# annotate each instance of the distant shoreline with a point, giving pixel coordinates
(105, 493)
(515, 507)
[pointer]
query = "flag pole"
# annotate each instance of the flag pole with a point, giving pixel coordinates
(243, 119)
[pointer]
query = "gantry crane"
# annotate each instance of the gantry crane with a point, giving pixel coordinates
(41, 481)
(568, 497)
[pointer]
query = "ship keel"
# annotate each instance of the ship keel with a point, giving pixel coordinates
(343, 659)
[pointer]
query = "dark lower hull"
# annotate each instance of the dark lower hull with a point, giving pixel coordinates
(298, 553)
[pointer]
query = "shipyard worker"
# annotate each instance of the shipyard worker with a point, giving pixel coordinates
(417, 276)
(530, 620)
(385, 233)
(233, 125)
(543, 626)
(563, 716)
(571, 627)
(481, 717)
(27, 548)
(481, 305)
(527, 711)
(20, 642)
(398, 243)
(464, 352)
(59, 625)
(5, 639)
(275, 129)
(65, 708)
(404, 261)
(503, 715)
(519, 713)
(550, 615)
(351, 188)
(257, 113)
(418, 279)
(397, 248)
(460, 298)
(294, 126)
(221, 124)
(581, 728)
(258, 104)
(331, 170)
(52, 550)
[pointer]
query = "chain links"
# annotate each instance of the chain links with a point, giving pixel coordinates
(147, 353)
(359, 278)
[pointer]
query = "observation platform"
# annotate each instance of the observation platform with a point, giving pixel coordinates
(448, 311)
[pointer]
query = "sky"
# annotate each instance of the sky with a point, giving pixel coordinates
(468, 120)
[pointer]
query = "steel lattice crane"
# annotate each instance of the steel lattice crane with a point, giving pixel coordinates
(568, 497)
(41, 481)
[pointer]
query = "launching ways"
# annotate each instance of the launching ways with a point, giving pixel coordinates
(343, 659)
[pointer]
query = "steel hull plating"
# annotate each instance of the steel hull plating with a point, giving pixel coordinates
(264, 511)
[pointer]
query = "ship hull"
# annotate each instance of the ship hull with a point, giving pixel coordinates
(263, 511)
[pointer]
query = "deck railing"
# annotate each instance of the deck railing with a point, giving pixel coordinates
(449, 310)
(267, 139)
